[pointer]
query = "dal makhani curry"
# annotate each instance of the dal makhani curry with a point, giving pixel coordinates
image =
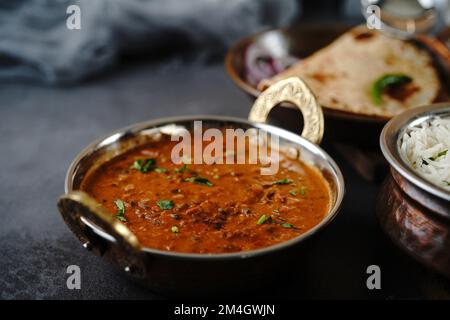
(216, 208)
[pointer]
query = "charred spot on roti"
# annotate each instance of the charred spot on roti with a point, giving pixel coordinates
(322, 77)
(402, 92)
(360, 36)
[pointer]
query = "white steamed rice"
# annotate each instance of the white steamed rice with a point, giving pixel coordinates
(426, 148)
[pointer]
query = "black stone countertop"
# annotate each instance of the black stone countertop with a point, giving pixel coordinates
(43, 128)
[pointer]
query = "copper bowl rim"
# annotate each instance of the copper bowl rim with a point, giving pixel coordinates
(390, 142)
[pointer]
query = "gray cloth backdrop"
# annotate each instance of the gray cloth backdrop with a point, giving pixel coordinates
(36, 44)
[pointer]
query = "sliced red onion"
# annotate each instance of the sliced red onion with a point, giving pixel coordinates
(260, 64)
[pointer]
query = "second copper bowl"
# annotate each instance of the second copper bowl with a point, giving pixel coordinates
(412, 211)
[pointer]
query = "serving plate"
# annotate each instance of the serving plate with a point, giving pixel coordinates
(189, 273)
(303, 40)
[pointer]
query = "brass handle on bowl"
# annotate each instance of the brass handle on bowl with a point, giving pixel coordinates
(295, 91)
(76, 206)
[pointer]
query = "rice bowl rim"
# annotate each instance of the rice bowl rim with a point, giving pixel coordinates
(390, 140)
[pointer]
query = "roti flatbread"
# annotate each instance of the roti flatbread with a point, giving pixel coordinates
(342, 74)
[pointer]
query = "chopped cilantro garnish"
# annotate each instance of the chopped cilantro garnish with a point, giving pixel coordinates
(302, 190)
(182, 169)
(263, 219)
(287, 225)
(282, 181)
(145, 165)
(199, 180)
(165, 204)
(120, 214)
(148, 165)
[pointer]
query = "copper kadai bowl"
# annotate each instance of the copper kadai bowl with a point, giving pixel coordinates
(199, 274)
(413, 212)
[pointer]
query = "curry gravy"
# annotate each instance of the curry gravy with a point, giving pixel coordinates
(217, 208)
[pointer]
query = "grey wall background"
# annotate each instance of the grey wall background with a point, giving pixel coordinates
(36, 44)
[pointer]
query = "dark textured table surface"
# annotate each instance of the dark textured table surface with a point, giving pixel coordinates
(43, 128)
